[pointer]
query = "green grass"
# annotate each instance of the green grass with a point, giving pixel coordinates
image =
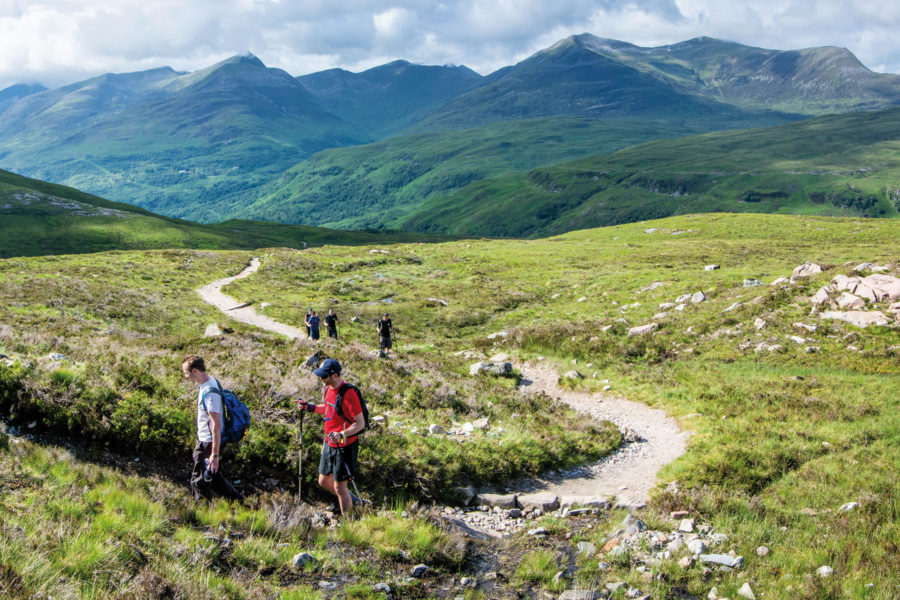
(833, 166)
(774, 433)
(40, 218)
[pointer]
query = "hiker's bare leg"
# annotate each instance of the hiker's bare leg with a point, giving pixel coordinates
(343, 493)
(326, 482)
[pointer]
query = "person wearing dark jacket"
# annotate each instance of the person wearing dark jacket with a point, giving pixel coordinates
(331, 321)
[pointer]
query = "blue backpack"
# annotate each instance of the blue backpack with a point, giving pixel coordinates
(237, 416)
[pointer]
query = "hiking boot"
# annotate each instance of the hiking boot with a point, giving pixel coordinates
(357, 501)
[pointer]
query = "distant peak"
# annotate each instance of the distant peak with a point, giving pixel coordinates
(248, 58)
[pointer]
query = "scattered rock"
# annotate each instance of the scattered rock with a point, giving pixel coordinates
(587, 549)
(805, 327)
(807, 269)
(542, 501)
(499, 500)
(435, 429)
(497, 369)
(483, 423)
(821, 297)
(581, 595)
(499, 334)
(848, 507)
(697, 546)
(698, 297)
(847, 300)
(212, 330)
(752, 283)
(758, 323)
(723, 560)
(732, 307)
(537, 531)
(686, 562)
(859, 318)
(710, 267)
(382, 587)
(436, 302)
(780, 281)
(419, 571)
(762, 551)
(303, 559)
(572, 375)
(825, 571)
(643, 329)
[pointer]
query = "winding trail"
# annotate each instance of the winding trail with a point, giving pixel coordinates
(212, 294)
(625, 476)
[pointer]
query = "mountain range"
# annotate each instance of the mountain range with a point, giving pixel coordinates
(239, 139)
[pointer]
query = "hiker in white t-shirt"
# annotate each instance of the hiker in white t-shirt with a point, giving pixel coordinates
(207, 479)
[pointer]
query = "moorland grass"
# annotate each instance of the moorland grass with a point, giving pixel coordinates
(781, 438)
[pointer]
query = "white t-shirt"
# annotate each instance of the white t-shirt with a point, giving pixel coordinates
(212, 399)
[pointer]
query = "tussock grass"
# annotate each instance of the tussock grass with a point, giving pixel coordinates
(781, 439)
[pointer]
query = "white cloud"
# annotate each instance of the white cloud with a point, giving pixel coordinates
(60, 41)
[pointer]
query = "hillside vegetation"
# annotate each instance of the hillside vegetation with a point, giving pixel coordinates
(377, 185)
(835, 165)
(40, 218)
(786, 432)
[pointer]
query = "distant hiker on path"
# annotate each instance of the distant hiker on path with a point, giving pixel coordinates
(308, 315)
(207, 479)
(338, 461)
(384, 332)
(312, 323)
(331, 321)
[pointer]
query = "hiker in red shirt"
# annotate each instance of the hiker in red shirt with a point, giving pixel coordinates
(338, 463)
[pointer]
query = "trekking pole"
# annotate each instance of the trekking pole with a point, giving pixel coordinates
(300, 461)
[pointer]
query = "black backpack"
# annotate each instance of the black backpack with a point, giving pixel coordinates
(339, 403)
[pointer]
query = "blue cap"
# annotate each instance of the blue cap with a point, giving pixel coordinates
(328, 367)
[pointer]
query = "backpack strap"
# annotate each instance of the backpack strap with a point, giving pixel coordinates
(207, 390)
(339, 399)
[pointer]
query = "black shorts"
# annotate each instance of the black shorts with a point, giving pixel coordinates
(340, 461)
(385, 342)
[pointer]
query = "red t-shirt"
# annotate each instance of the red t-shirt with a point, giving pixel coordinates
(333, 421)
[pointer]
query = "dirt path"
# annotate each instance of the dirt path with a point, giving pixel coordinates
(212, 294)
(626, 476)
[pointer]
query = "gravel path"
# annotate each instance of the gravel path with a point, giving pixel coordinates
(625, 477)
(212, 294)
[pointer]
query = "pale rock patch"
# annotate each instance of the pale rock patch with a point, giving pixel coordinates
(807, 269)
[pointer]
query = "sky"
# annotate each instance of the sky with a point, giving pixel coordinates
(55, 42)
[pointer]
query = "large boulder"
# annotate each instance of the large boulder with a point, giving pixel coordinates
(807, 269)
(499, 369)
(860, 318)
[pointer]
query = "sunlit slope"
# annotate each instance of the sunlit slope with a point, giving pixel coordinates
(834, 165)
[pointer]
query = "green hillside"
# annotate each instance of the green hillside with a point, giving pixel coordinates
(834, 165)
(191, 145)
(791, 462)
(376, 185)
(39, 218)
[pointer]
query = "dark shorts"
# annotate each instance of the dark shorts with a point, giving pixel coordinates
(340, 461)
(385, 342)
